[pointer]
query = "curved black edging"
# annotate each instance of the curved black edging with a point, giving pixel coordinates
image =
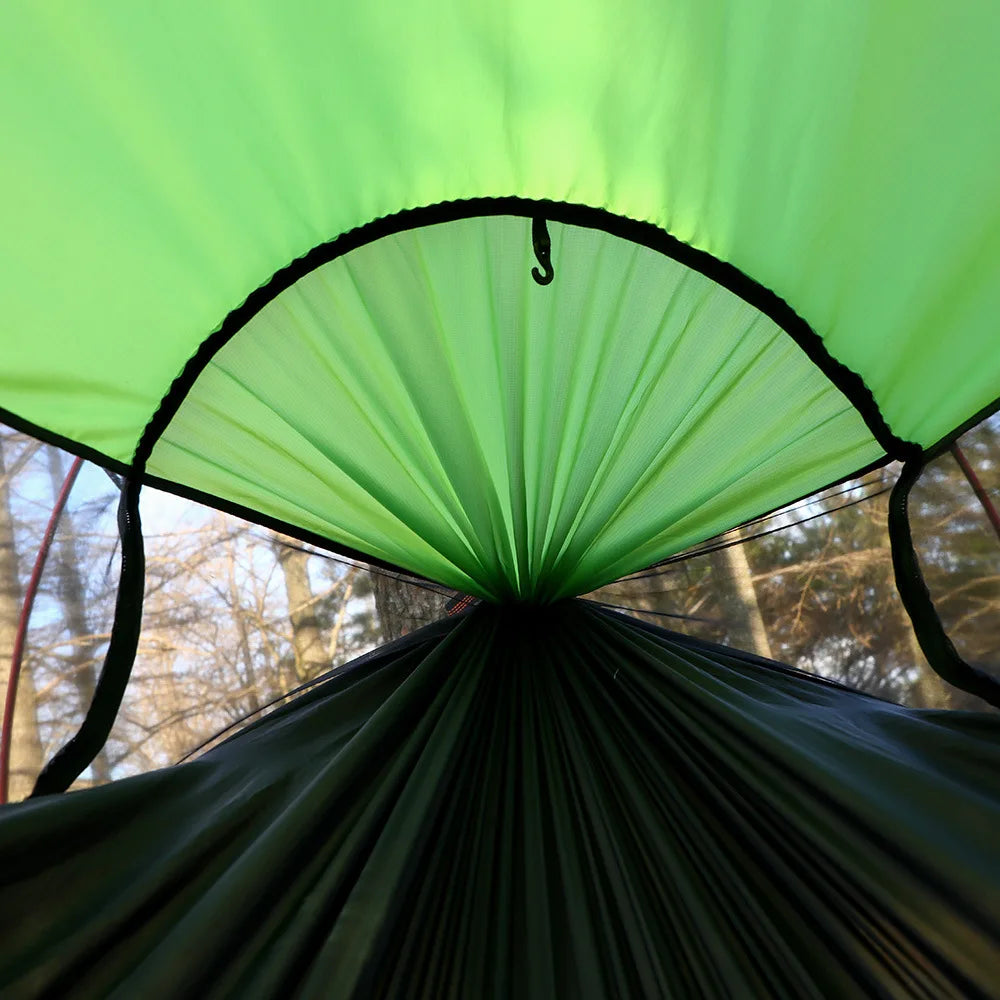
(645, 234)
(937, 647)
(79, 752)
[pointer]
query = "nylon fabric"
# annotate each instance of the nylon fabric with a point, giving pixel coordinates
(530, 803)
(161, 165)
(423, 399)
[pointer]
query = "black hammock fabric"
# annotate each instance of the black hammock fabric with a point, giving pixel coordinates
(557, 802)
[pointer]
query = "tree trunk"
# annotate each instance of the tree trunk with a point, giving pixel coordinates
(73, 596)
(25, 744)
(307, 634)
(256, 696)
(402, 607)
(735, 587)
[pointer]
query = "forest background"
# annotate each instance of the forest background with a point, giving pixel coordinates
(236, 616)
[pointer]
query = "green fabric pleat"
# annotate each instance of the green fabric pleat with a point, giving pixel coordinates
(161, 165)
(530, 803)
(422, 399)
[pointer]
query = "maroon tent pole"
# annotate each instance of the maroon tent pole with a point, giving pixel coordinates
(22, 626)
(978, 488)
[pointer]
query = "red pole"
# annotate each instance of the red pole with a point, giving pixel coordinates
(978, 488)
(22, 626)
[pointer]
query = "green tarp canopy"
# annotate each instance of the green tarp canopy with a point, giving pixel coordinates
(520, 297)
(418, 396)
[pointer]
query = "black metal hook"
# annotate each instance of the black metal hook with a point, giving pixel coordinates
(543, 251)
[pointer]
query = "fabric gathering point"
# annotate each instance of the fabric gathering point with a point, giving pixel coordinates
(510, 440)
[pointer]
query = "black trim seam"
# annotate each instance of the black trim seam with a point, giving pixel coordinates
(937, 647)
(646, 234)
(78, 753)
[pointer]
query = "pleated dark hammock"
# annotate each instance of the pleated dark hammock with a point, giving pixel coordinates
(526, 804)
(521, 298)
